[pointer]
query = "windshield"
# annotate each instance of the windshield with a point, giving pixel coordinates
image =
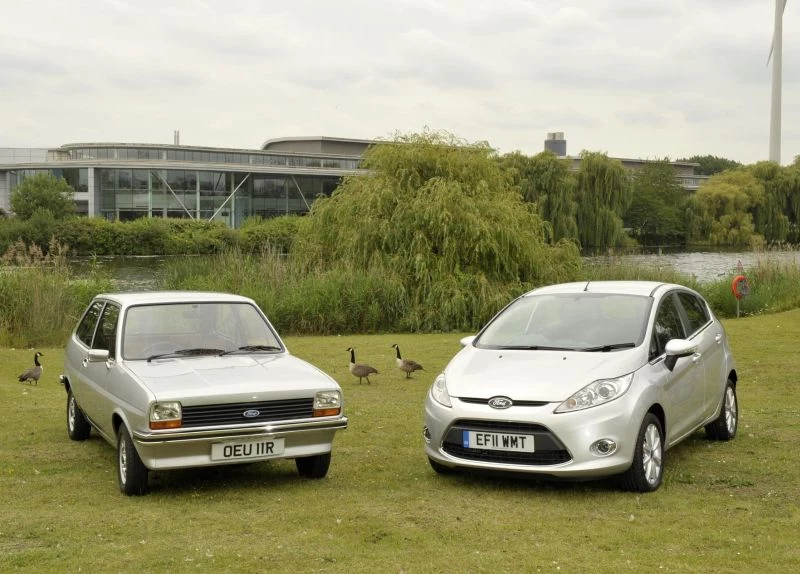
(196, 329)
(569, 321)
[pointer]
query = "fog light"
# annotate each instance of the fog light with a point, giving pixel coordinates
(426, 433)
(604, 447)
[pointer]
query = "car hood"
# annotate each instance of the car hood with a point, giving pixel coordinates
(259, 377)
(550, 376)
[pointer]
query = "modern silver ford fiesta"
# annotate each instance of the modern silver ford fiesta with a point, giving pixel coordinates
(585, 380)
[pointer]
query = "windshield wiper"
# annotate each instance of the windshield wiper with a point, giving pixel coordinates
(252, 349)
(196, 352)
(537, 348)
(607, 348)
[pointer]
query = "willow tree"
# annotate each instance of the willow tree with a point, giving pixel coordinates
(603, 195)
(772, 215)
(545, 180)
(447, 218)
(720, 212)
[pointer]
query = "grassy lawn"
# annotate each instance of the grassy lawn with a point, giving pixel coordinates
(724, 507)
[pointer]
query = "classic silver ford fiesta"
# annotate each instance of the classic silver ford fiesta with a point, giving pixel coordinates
(187, 379)
(585, 380)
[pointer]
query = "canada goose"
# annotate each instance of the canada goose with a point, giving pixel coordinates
(406, 365)
(32, 375)
(360, 371)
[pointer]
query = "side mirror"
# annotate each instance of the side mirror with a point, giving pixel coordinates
(467, 340)
(97, 355)
(677, 348)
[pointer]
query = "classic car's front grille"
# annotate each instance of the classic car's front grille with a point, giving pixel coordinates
(234, 413)
(549, 449)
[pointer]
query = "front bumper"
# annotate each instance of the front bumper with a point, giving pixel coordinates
(192, 448)
(563, 441)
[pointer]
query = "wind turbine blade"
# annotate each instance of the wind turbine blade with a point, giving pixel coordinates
(772, 45)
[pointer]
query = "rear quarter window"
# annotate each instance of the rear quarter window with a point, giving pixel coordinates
(696, 311)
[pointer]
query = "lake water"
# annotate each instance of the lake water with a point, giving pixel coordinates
(142, 273)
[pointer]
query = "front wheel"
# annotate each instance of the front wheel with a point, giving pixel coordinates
(78, 428)
(131, 471)
(725, 425)
(313, 466)
(647, 469)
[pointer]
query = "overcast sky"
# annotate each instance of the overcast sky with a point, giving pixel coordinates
(634, 78)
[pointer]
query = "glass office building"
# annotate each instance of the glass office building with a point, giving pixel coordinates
(128, 181)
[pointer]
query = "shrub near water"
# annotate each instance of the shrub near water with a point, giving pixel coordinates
(40, 301)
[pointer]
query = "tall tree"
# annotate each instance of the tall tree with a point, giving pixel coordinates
(546, 181)
(603, 196)
(43, 192)
(772, 215)
(656, 213)
(440, 213)
(711, 164)
(720, 212)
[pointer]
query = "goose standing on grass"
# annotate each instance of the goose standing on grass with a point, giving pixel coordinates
(406, 365)
(32, 375)
(360, 371)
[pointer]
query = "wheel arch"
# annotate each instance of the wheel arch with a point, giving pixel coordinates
(658, 411)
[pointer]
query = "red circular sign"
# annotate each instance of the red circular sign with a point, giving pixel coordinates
(740, 287)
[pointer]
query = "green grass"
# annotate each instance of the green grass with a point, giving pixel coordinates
(724, 507)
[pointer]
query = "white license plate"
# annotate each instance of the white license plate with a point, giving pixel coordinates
(498, 441)
(239, 450)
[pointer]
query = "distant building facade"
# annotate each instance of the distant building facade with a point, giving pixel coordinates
(121, 181)
(685, 172)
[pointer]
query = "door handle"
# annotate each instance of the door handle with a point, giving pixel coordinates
(718, 337)
(85, 362)
(696, 357)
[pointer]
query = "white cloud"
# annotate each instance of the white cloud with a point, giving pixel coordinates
(639, 78)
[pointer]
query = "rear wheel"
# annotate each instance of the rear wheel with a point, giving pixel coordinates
(725, 425)
(313, 466)
(647, 469)
(131, 471)
(78, 428)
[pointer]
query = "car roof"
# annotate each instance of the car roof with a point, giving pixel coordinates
(129, 298)
(642, 288)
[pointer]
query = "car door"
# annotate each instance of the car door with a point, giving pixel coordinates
(99, 373)
(76, 354)
(684, 384)
(709, 337)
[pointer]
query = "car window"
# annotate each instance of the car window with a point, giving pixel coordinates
(696, 311)
(106, 337)
(667, 326)
(85, 330)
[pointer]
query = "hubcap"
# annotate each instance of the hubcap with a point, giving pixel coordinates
(651, 454)
(731, 412)
(123, 461)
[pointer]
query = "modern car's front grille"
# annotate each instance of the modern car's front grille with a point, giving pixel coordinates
(549, 450)
(257, 412)
(477, 401)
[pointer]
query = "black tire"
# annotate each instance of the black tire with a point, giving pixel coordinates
(440, 468)
(78, 428)
(647, 469)
(725, 425)
(131, 471)
(313, 466)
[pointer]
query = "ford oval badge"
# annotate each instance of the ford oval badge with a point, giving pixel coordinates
(251, 413)
(500, 402)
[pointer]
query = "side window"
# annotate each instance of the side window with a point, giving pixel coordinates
(85, 330)
(696, 311)
(667, 326)
(106, 337)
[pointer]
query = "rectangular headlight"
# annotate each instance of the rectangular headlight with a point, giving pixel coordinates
(327, 403)
(167, 415)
